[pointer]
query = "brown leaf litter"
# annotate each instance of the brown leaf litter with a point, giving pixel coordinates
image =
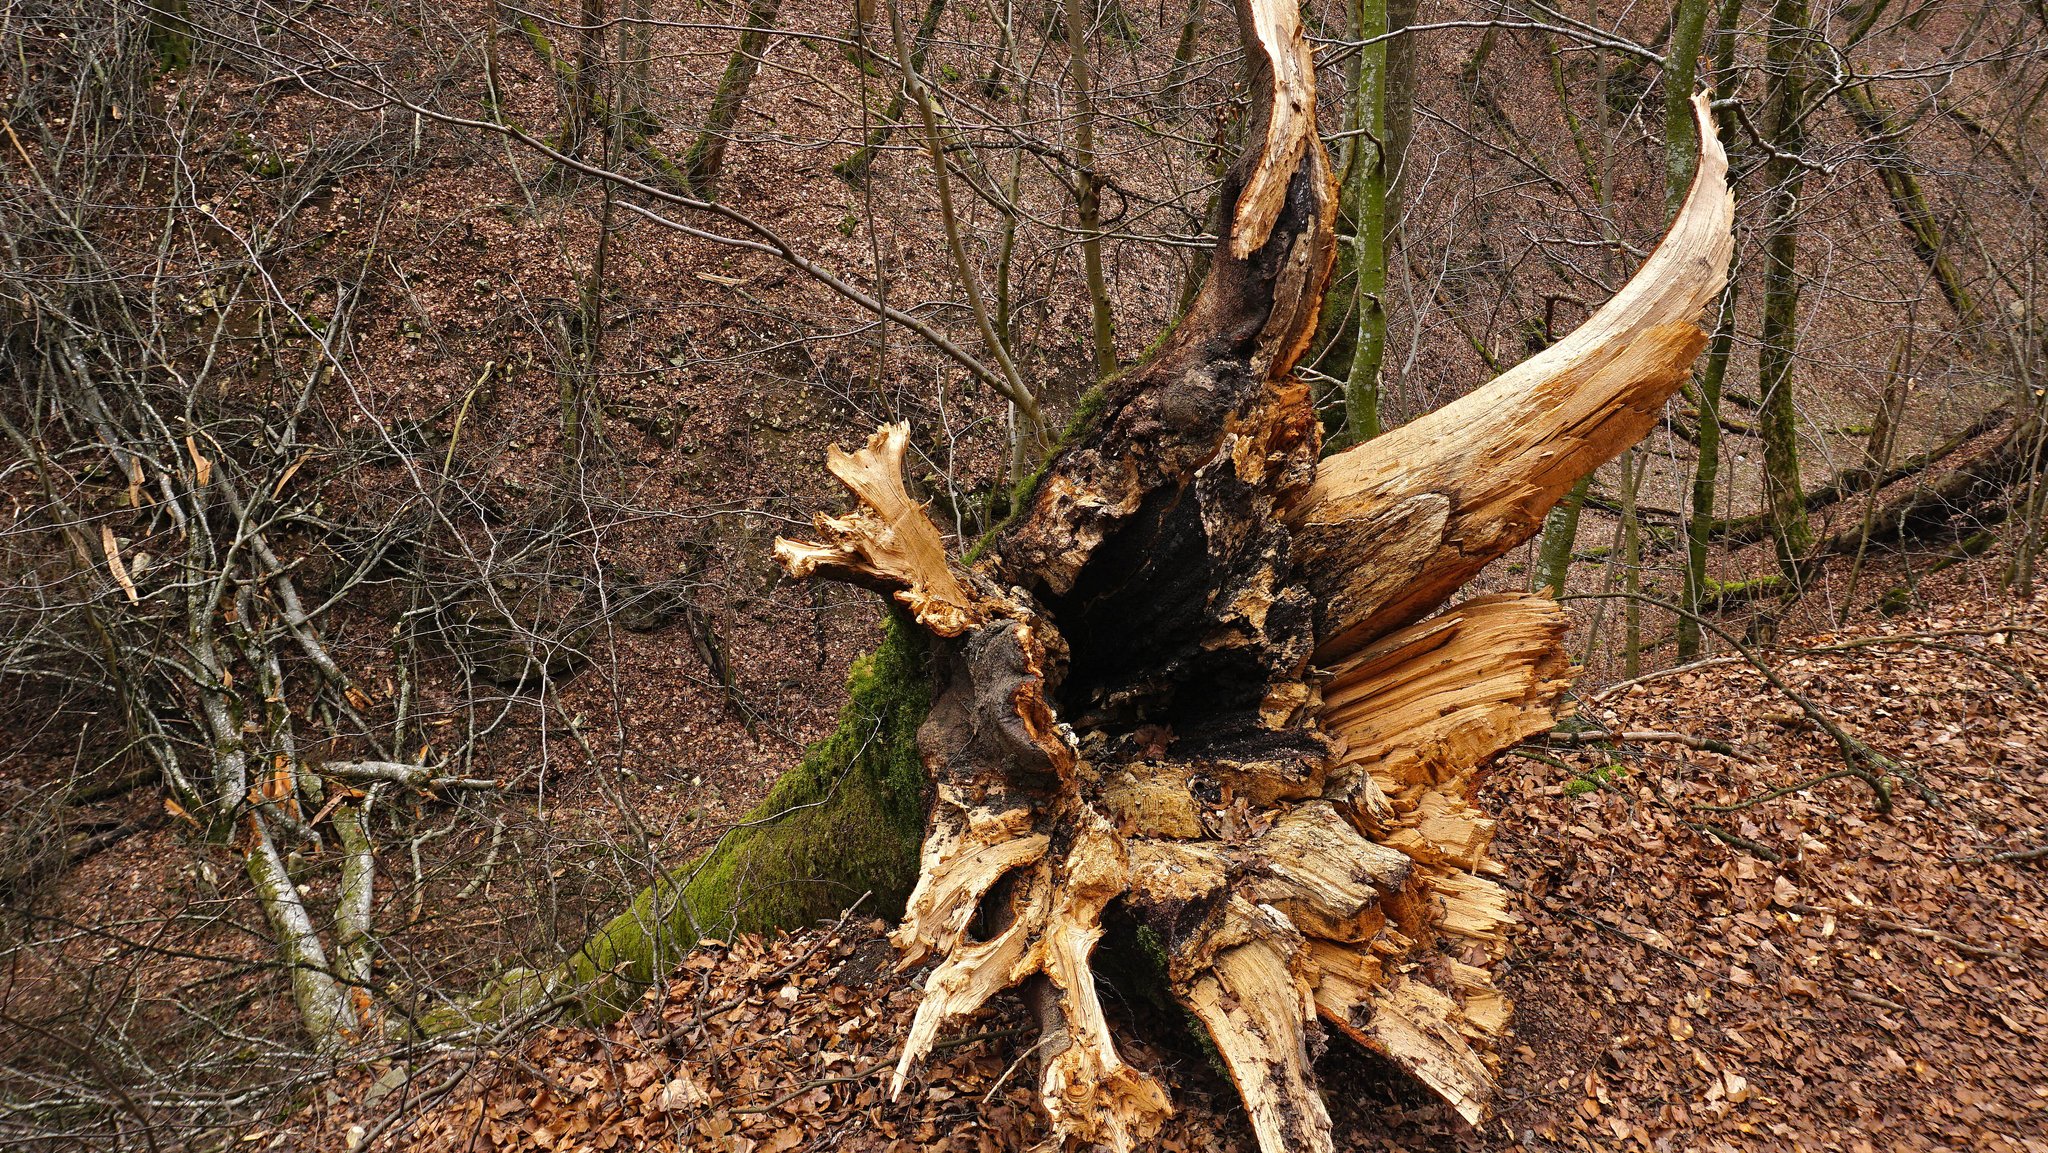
(1709, 960)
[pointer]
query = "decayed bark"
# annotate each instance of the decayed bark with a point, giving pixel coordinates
(1193, 679)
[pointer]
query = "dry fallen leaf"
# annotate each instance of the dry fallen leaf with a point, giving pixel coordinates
(202, 468)
(1784, 893)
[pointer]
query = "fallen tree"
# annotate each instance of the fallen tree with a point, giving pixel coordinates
(1195, 686)
(1931, 504)
(1197, 677)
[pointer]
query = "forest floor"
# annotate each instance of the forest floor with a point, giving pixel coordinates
(1717, 952)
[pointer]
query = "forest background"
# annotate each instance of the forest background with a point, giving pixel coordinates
(401, 401)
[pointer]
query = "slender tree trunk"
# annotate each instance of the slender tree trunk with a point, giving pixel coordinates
(703, 162)
(1681, 78)
(1884, 423)
(1366, 188)
(855, 167)
(1784, 175)
(1011, 385)
(582, 409)
(325, 1008)
(622, 129)
(1699, 524)
(1088, 190)
(1398, 97)
(170, 34)
(1633, 462)
(1197, 270)
(1561, 525)
(1909, 203)
(1378, 118)
(2031, 420)
(1877, 460)
(1560, 537)
(588, 75)
(494, 96)
(1184, 53)
(636, 52)
(354, 906)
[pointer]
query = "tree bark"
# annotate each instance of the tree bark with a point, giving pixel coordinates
(1909, 202)
(855, 167)
(1351, 335)
(1932, 503)
(1368, 180)
(1688, 37)
(1699, 525)
(1784, 97)
(706, 157)
(1088, 191)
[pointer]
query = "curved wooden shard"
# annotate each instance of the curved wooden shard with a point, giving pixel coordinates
(1393, 526)
(1131, 711)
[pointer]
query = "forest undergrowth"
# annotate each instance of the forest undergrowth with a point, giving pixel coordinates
(1719, 950)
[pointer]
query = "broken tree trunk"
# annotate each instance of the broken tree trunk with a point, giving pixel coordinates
(1197, 678)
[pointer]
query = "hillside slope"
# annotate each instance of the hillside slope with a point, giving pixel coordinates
(1712, 957)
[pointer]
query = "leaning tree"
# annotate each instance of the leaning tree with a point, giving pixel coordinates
(1199, 690)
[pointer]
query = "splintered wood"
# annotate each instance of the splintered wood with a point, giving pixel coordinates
(887, 542)
(1393, 526)
(1196, 682)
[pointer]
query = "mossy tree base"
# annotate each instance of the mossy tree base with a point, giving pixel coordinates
(846, 822)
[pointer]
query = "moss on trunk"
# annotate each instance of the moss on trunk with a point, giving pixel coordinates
(848, 820)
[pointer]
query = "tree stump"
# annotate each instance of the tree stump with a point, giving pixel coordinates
(1197, 677)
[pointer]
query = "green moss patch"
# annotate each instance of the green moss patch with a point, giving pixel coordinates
(847, 821)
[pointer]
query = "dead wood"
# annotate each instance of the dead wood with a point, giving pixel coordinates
(1855, 482)
(1928, 506)
(1194, 678)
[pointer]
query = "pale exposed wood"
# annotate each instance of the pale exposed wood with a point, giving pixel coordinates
(1485, 1008)
(1256, 1010)
(1344, 976)
(1367, 529)
(1427, 704)
(1417, 1027)
(1178, 872)
(887, 542)
(1361, 799)
(948, 893)
(1290, 125)
(1472, 909)
(1391, 540)
(1442, 830)
(1151, 799)
(1090, 1093)
(971, 973)
(1326, 877)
